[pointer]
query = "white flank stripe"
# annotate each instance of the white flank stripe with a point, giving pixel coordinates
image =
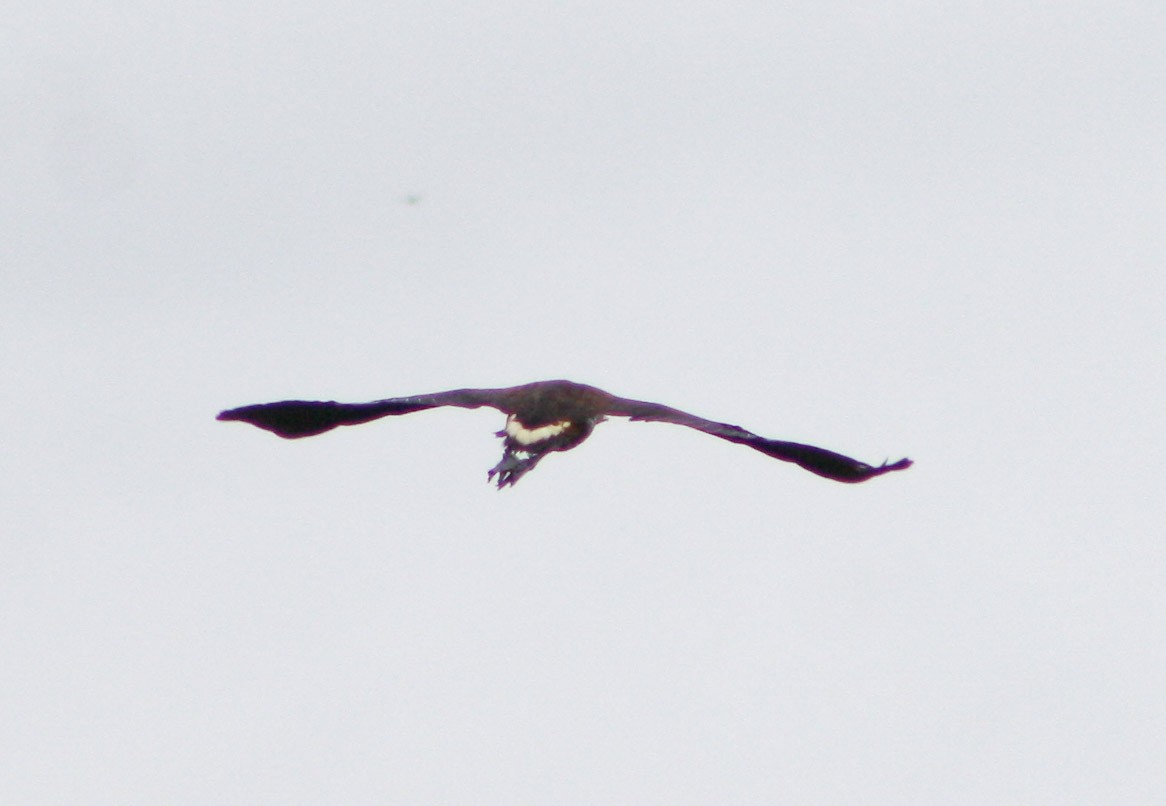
(528, 436)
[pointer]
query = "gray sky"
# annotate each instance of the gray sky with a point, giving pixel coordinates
(919, 229)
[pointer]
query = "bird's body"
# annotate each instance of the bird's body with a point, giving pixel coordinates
(542, 418)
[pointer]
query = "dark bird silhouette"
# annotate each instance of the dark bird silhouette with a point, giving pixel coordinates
(542, 418)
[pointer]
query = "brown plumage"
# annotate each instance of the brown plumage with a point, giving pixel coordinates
(542, 418)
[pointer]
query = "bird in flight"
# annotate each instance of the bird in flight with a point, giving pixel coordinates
(542, 418)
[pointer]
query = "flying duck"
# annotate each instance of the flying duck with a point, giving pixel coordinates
(542, 418)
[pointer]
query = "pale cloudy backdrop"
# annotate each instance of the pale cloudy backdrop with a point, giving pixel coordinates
(903, 228)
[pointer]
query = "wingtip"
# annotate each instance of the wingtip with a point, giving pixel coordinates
(902, 464)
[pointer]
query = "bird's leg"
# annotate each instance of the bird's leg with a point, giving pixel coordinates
(514, 465)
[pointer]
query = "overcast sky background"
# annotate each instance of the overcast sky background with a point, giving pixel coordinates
(906, 228)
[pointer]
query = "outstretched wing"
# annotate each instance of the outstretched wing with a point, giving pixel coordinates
(292, 419)
(825, 463)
